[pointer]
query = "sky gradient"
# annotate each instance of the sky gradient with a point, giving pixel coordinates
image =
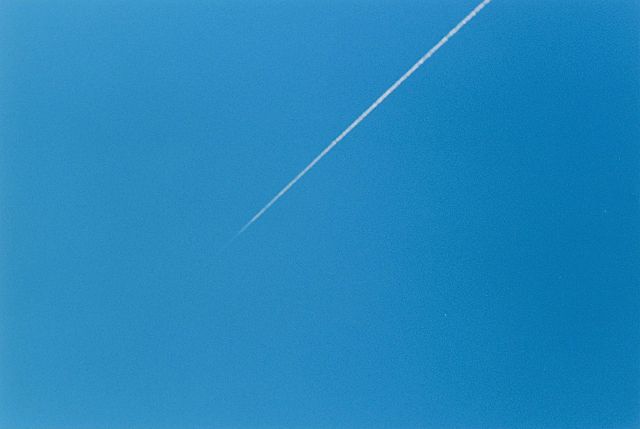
(468, 257)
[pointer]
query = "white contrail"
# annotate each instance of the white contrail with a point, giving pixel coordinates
(366, 113)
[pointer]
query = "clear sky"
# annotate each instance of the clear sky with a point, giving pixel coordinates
(469, 257)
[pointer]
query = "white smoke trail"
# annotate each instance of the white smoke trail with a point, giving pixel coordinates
(366, 113)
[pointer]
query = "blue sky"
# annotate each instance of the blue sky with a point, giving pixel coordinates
(469, 257)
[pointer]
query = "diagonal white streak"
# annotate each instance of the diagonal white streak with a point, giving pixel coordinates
(366, 113)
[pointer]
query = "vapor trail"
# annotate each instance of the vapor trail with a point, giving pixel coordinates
(366, 113)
